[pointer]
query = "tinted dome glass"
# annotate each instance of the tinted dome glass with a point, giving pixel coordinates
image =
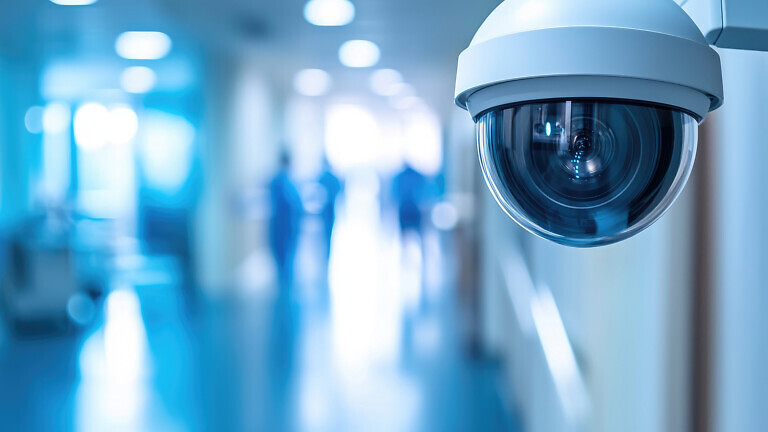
(585, 173)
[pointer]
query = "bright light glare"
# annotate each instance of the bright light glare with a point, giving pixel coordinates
(56, 118)
(366, 317)
(91, 126)
(359, 54)
(312, 82)
(351, 136)
(123, 125)
(74, 2)
(423, 141)
(125, 345)
(33, 119)
(138, 79)
(386, 82)
(115, 369)
(95, 126)
(329, 12)
(143, 45)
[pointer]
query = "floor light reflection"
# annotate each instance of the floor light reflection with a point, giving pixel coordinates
(114, 368)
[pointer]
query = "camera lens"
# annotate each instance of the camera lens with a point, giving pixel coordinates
(586, 173)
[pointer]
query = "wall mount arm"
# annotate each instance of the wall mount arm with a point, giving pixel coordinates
(737, 24)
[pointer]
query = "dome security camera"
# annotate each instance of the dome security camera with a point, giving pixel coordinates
(587, 112)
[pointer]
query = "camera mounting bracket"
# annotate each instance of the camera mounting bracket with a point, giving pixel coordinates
(738, 24)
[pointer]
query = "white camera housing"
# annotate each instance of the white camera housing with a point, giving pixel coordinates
(632, 76)
(639, 50)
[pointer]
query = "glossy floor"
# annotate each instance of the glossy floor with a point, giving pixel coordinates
(379, 348)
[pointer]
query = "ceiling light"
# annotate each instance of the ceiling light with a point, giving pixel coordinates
(312, 82)
(143, 45)
(329, 12)
(385, 82)
(123, 124)
(359, 53)
(96, 126)
(74, 2)
(91, 126)
(138, 79)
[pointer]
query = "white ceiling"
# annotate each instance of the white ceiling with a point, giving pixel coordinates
(421, 38)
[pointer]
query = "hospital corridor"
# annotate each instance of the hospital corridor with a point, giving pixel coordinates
(383, 216)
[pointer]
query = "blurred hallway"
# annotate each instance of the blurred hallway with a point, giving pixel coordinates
(229, 215)
(378, 349)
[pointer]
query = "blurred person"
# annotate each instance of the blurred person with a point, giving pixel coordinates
(410, 190)
(332, 187)
(285, 219)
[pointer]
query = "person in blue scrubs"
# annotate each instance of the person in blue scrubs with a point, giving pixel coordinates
(285, 220)
(411, 193)
(332, 187)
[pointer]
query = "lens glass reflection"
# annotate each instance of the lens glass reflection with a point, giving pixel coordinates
(586, 173)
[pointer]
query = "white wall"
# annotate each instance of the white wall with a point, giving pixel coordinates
(625, 312)
(626, 307)
(239, 148)
(741, 218)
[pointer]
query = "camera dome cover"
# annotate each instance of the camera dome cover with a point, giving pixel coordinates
(636, 50)
(585, 173)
